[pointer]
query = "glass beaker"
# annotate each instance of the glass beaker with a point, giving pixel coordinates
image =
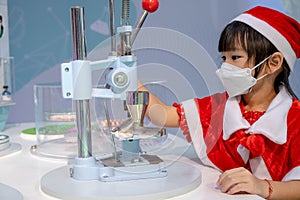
(55, 122)
(55, 125)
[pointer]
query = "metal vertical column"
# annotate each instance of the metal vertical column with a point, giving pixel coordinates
(82, 106)
(112, 28)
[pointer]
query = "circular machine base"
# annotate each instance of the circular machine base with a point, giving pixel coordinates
(7, 192)
(181, 178)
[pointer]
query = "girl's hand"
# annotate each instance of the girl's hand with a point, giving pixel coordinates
(240, 180)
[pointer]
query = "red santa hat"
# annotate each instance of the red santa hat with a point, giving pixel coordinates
(280, 29)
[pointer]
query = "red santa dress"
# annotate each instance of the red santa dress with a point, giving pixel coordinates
(225, 136)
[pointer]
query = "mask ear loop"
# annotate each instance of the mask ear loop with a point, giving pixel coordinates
(256, 66)
(250, 89)
(264, 60)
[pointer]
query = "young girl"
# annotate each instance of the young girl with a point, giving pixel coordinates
(252, 131)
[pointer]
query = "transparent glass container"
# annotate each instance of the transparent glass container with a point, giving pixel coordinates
(7, 86)
(55, 126)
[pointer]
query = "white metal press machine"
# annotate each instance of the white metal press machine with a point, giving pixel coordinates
(130, 173)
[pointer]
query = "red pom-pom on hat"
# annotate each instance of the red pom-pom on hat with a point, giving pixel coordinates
(280, 29)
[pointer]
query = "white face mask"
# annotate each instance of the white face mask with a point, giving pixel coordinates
(238, 81)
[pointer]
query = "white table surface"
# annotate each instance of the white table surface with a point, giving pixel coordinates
(23, 170)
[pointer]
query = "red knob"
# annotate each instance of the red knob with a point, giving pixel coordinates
(150, 5)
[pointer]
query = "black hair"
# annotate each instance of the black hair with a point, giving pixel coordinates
(257, 46)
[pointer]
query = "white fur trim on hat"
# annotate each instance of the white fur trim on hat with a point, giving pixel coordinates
(280, 42)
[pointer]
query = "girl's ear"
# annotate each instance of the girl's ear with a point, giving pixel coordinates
(275, 62)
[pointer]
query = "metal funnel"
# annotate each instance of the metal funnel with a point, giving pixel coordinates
(137, 102)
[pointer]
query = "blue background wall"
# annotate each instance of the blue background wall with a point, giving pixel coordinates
(40, 37)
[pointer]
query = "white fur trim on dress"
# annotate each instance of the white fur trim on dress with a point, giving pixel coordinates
(294, 174)
(244, 153)
(276, 113)
(195, 128)
(259, 168)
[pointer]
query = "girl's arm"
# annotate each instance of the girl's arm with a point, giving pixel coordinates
(285, 190)
(239, 180)
(158, 112)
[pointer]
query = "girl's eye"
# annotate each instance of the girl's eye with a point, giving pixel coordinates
(223, 58)
(235, 57)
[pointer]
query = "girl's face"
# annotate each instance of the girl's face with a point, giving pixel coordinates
(237, 57)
